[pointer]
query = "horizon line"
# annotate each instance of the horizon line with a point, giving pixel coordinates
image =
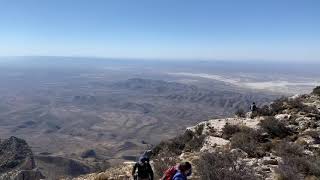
(162, 59)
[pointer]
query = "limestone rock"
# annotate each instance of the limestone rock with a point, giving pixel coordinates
(282, 117)
(211, 142)
(239, 153)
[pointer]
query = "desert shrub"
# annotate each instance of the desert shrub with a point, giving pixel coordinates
(264, 111)
(222, 166)
(288, 103)
(295, 103)
(210, 129)
(247, 140)
(295, 160)
(199, 129)
(278, 106)
(316, 90)
(303, 166)
(175, 145)
(228, 130)
(284, 149)
(274, 127)
(188, 141)
(267, 146)
(240, 113)
(287, 172)
(310, 109)
(313, 133)
(162, 162)
(195, 143)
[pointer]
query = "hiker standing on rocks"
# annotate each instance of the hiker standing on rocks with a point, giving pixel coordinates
(179, 172)
(145, 171)
(253, 109)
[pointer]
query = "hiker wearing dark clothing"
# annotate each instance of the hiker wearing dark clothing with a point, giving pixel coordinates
(179, 172)
(145, 171)
(254, 110)
(253, 107)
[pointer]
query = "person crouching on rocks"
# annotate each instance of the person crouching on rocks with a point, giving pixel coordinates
(145, 171)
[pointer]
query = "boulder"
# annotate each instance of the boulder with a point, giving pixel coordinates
(282, 117)
(212, 142)
(269, 161)
(239, 153)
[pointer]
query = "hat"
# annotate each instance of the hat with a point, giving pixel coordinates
(143, 159)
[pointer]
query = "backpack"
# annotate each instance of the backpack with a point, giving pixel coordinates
(143, 170)
(169, 173)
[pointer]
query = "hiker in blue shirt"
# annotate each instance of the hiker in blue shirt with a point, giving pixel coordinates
(184, 170)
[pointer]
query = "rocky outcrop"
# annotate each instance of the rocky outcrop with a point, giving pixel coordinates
(17, 161)
(15, 154)
(34, 174)
(300, 118)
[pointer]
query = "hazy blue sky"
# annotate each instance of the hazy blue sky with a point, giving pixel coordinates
(191, 29)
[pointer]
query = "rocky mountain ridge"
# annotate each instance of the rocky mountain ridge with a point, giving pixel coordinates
(17, 161)
(279, 141)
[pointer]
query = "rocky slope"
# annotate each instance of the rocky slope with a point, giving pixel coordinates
(279, 141)
(17, 161)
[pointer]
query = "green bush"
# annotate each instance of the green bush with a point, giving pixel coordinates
(295, 160)
(303, 166)
(264, 111)
(297, 105)
(240, 113)
(287, 172)
(195, 144)
(247, 140)
(175, 145)
(293, 104)
(284, 149)
(223, 166)
(274, 127)
(316, 90)
(278, 105)
(228, 130)
(162, 162)
(189, 141)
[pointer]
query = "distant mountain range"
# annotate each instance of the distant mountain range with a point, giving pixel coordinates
(112, 118)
